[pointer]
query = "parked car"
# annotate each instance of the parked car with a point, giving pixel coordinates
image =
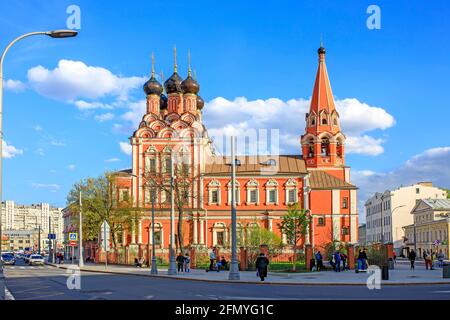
(8, 259)
(26, 258)
(35, 259)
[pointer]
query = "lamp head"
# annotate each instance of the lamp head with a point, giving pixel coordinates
(62, 33)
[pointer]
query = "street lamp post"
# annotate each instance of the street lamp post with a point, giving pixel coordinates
(154, 269)
(172, 268)
(234, 267)
(80, 236)
(53, 34)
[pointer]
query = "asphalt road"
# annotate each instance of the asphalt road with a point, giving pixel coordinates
(50, 283)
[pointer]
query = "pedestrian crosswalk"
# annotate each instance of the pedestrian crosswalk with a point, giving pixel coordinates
(27, 267)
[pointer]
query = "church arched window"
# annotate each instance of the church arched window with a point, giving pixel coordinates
(324, 120)
(325, 147)
(311, 148)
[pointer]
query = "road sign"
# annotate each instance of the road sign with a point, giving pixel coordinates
(73, 243)
(52, 236)
(105, 235)
(73, 236)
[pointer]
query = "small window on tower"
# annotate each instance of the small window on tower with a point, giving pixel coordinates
(321, 221)
(324, 121)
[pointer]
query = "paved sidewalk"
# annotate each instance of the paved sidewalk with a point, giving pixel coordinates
(402, 275)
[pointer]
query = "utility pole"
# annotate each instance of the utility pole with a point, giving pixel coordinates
(172, 268)
(50, 253)
(80, 236)
(39, 240)
(154, 266)
(234, 267)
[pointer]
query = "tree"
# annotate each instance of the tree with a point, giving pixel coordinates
(98, 205)
(294, 225)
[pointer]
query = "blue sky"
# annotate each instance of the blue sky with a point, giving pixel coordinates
(397, 77)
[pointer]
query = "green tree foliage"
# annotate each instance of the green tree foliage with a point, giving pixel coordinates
(98, 205)
(294, 225)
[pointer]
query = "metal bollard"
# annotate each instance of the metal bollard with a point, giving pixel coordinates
(446, 269)
(2, 283)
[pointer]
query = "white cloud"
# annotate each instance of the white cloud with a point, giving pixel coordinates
(52, 187)
(238, 115)
(134, 115)
(14, 85)
(9, 151)
(37, 128)
(364, 145)
(104, 117)
(112, 160)
(74, 79)
(40, 151)
(125, 147)
(431, 165)
(84, 105)
(71, 167)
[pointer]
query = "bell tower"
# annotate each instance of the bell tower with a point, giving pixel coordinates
(323, 141)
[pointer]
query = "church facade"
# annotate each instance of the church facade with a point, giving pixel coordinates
(316, 178)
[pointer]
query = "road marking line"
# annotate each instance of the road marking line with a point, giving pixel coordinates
(45, 296)
(32, 289)
(440, 292)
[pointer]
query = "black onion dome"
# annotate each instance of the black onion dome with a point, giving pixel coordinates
(163, 102)
(200, 103)
(152, 86)
(173, 84)
(321, 50)
(189, 85)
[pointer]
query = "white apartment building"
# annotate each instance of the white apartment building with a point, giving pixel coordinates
(16, 217)
(389, 212)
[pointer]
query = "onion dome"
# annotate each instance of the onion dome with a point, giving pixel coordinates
(152, 86)
(200, 103)
(163, 102)
(189, 85)
(321, 50)
(173, 84)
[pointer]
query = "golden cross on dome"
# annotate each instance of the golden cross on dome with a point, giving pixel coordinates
(175, 68)
(189, 62)
(153, 65)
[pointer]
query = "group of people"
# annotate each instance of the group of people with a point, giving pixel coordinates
(183, 262)
(338, 259)
(60, 258)
(215, 263)
(429, 257)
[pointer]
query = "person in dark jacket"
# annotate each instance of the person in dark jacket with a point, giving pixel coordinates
(412, 258)
(319, 261)
(362, 259)
(337, 261)
(261, 266)
(180, 262)
(344, 261)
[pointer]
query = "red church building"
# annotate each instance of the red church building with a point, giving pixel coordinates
(317, 179)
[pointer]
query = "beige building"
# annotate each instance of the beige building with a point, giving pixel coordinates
(16, 217)
(388, 212)
(20, 240)
(431, 227)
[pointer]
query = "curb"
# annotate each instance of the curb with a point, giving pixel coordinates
(258, 282)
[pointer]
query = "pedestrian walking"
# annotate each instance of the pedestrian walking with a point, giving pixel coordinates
(362, 260)
(187, 263)
(337, 259)
(261, 266)
(428, 260)
(394, 255)
(412, 258)
(319, 261)
(180, 262)
(212, 257)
